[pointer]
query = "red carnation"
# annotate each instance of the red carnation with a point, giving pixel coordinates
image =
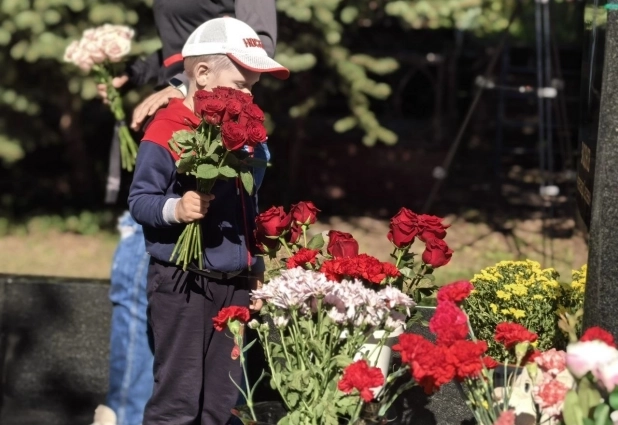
(596, 333)
(390, 270)
(449, 323)
(404, 227)
(341, 244)
(431, 227)
(333, 270)
(432, 366)
(230, 313)
(455, 292)
(304, 213)
(302, 257)
(437, 253)
(233, 136)
(360, 376)
(511, 334)
(490, 362)
(469, 355)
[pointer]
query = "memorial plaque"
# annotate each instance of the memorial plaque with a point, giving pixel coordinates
(595, 20)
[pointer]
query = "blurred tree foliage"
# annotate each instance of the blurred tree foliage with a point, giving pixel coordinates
(46, 103)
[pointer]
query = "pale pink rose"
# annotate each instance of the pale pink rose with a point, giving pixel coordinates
(549, 396)
(116, 48)
(506, 418)
(608, 375)
(584, 357)
(71, 52)
(94, 49)
(91, 34)
(552, 361)
(614, 417)
(83, 60)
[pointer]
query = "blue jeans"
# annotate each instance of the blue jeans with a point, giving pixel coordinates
(131, 360)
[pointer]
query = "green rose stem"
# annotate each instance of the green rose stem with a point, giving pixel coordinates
(189, 244)
(284, 243)
(304, 227)
(128, 147)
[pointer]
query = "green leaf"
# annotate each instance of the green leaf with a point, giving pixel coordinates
(589, 396)
(601, 414)
(207, 172)
(212, 149)
(407, 272)
(316, 242)
(247, 181)
(185, 164)
(613, 399)
(227, 171)
(292, 398)
(572, 413)
(231, 159)
(184, 138)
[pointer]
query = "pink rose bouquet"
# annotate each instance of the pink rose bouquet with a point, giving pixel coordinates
(97, 52)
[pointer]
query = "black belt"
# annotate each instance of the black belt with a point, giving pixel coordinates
(213, 274)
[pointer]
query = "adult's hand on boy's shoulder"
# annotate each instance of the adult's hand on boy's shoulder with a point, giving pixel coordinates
(192, 206)
(152, 104)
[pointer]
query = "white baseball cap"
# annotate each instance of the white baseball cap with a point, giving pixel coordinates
(237, 40)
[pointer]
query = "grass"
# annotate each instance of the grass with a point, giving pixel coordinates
(49, 251)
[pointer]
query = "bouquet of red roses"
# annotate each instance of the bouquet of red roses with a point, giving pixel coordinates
(215, 150)
(99, 52)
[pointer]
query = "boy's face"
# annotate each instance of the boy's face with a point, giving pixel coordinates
(228, 76)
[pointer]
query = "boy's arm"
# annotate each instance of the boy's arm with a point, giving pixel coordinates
(148, 202)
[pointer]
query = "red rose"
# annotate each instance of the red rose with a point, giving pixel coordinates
(273, 222)
(233, 136)
(243, 97)
(431, 227)
(437, 253)
(360, 376)
(209, 107)
(233, 107)
(254, 112)
(266, 244)
(304, 212)
(403, 228)
(596, 333)
(511, 334)
(449, 323)
(455, 292)
(230, 313)
(302, 257)
(256, 132)
(341, 245)
(293, 236)
(224, 93)
(469, 358)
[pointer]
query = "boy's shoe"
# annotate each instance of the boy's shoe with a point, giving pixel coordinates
(103, 415)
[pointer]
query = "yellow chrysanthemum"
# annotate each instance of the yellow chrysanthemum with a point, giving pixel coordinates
(503, 295)
(493, 307)
(518, 314)
(537, 297)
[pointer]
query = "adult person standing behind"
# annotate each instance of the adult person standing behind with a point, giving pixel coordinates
(131, 359)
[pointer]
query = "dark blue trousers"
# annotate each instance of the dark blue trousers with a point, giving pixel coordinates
(192, 361)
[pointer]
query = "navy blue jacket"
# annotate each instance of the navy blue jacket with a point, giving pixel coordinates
(229, 222)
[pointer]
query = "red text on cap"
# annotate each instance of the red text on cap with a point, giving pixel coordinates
(253, 42)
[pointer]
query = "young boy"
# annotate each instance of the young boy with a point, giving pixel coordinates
(193, 363)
